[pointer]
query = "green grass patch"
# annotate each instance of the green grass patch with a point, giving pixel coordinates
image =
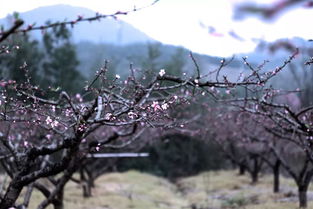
(208, 190)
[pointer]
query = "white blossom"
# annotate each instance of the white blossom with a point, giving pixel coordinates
(132, 115)
(162, 72)
(165, 106)
(25, 143)
(54, 123)
(108, 116)
(48, 120)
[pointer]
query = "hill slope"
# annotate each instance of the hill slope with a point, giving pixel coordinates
(105, 31)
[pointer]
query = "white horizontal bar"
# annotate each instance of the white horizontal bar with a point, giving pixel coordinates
(115, 155)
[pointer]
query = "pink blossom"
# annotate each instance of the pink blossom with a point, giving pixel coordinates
(3, 83)
(78, 97)
(155, 105)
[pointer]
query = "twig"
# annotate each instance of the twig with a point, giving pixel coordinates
(4, 35)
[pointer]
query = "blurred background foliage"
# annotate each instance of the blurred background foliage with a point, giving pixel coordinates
(177, 155)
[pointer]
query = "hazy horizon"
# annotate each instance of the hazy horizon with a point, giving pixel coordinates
(182, 23)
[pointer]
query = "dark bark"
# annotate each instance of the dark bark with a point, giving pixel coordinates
(27, 197)
(254, 177)
(91, 178)
(18, 23)
(255, 170)
(302, 194)
(11, 196)
(276, 172)
(242, 169)
(58, 201)
(86, 189)
(85, 184)
(57, 195)
(91, 181)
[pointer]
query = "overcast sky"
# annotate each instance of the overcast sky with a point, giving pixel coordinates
(178, 22)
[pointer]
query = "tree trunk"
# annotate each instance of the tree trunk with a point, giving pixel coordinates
(91, 181)
(10, 196)
(85, 184)
(255, 171)
(58, 205)
(276, 176)
(91, 178)
(302, 189)
(86, 189)
(255, 177)
(58, 201)
(242, 169)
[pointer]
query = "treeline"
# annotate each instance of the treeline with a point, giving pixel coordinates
(147, 56)
(51, 63)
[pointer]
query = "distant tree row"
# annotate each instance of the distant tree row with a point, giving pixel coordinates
(51, 63)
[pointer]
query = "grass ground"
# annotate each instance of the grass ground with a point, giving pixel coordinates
(225, 189)
(209, 190)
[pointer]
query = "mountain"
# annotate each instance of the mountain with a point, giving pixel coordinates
(163, 56)
(116, 41)
(105, 31)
